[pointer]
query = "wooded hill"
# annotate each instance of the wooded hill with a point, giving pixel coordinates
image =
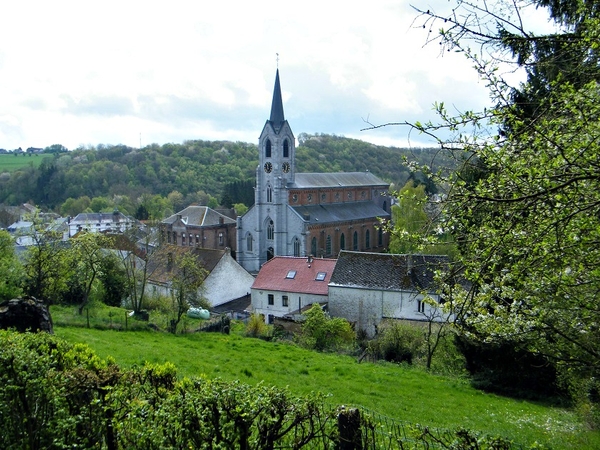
(191, 172)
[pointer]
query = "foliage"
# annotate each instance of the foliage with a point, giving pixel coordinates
(186, 283)
(525, 207)
(10, 268)
(114, 280)
(397, 342)
(46, 266)
(256, 326)
(321, 332)
(410, 222)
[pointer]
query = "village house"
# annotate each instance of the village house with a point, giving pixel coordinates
(367, 288)
(286, 285)
(114, 222)
(226, 280)
(199, 226)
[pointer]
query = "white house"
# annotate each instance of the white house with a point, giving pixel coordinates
(287, 284)
(114, 222)
(366, 288)
(226, 279)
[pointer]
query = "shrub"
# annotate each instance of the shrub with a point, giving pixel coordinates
(397, 342)
(257, 327)
(320, 332)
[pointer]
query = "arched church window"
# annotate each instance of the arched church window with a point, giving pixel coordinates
(355, 241)
(269, 194)
(313, 246)
(380, 237)
(249, 243)
(296, 247)
(286, 149)
(328, 245)
(268, 148)
(271, 230)
(385, 206)
(367, 239)
(342, 242)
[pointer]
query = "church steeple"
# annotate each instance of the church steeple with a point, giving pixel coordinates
(277, 117)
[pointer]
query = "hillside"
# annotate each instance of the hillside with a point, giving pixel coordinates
(195, 170)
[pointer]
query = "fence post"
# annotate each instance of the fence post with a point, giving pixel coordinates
(349, 429)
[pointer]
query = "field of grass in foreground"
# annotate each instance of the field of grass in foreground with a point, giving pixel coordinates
(11, 162)
(405, 394)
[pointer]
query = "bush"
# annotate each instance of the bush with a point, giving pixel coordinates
(257, 327)
(397, 342)
(320, 332)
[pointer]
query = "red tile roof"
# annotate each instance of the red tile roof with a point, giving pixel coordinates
(273, 275)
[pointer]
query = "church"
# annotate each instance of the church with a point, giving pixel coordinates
(307, 214)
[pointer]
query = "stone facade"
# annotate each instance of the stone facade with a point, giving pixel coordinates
(303, 214)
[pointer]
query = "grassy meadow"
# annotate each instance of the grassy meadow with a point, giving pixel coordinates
(406, 394)
(11, 162)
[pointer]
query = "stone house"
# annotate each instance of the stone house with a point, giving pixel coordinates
(286, 285)
(367, 288)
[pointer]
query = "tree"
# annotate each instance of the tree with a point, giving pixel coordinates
(87, 255)
(410, 222)
(10, 270)
(46, 267)
(528, 222)
(114, 280)
(188, 277)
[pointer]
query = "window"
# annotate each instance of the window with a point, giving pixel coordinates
(296, 247)
(271, 299)
(249, 243)
(286, 149)
(168, 237)
(321, 276)
(191, 241)
(268, 148)
(420, 306)
(367, 239)
(385, 206)
(220, 238)
(182, 238)
(270, 230)
(328, 245)
(313, 246)
(342, 242)
(284, 300)
(269, 194)
(174, 238)
(197, 240)
(291, 274)
(380, 237)
(355, 241)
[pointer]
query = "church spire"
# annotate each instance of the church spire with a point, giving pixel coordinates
(277, 117)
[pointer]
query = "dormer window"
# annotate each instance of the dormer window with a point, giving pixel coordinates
(291, 274)
(321, 276)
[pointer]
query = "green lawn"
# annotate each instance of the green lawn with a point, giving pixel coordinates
(403, 393)
(11, 162)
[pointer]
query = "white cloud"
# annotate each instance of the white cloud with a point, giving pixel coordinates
(75, 72)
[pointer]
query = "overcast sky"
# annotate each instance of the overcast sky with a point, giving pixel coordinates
(140, 72)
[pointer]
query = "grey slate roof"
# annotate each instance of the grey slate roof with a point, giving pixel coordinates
(200, 216)
(340, 212)
(339, 179)
(277, 117)
(384, 271)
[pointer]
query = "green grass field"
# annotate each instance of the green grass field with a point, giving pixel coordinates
(11, 162)
(403, 393)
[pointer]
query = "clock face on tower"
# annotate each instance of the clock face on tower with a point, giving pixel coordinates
(268, 167)
(286, 167)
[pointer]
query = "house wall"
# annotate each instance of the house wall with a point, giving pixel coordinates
(296, 301)
(368, 307)
(227, 281)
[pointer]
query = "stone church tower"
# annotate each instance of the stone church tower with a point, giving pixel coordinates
(303, 214)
